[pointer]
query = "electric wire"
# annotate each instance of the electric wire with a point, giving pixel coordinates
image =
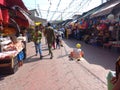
(67, 7)
(82, 5)
(48, 8)
(72, 8)
(56, 9)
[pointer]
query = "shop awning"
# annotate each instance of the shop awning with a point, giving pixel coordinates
(30, 21)
(22, 17)
(90, 12)
(104, 10)
(11, 3)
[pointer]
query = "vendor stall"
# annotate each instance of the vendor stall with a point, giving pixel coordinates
(13, 17)
(12, 52)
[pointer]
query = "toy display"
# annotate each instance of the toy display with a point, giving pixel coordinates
(77, 53)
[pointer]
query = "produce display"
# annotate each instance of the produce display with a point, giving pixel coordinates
(11, 49)
(7, 55)
(8, 31)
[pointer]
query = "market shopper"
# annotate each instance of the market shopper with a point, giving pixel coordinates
(37, 36)
(60, 37)
(57, 41)
(116, 80)
(50, 36)
(53, 44)
(116, 83)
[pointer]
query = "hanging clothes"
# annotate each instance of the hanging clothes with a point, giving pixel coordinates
(5, 15)
(2, 2)
(1, 17)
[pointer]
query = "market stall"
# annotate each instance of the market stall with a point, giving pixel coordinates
(13, 17)
(12, 52)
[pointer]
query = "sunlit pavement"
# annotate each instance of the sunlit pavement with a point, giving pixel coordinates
(60, 73)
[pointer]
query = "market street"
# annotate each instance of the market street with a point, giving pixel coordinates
(60, 73)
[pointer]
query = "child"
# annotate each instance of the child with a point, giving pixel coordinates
(77, 53)
(57, 41)
(60, 38)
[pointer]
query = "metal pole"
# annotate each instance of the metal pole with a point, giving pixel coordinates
(39, 10)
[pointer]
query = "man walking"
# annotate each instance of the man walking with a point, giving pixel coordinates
(50, 36)
(37, 36)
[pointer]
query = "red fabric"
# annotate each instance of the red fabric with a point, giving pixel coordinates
(21, 22)
(103, 26)
(1, 18)
(19, 14)
(21, 19)
(5, 16)
(2, 2)
(11, 3)
(84, 25)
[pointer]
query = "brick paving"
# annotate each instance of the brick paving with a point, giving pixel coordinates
(58, 73)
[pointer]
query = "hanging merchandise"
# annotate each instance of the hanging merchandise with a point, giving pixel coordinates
(110, 17)
(2, 2)
(5, 15)
(1, 18)
(1, 30)
(118, 18)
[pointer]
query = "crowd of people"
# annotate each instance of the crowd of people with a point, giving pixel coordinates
(93, 31)
(52, 36)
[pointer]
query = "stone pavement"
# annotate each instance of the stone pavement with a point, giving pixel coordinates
(58, 73)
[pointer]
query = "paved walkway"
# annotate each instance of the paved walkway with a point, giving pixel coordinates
(97, 55)
(58, 73)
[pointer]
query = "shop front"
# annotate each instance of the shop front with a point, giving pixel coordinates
(13, 17)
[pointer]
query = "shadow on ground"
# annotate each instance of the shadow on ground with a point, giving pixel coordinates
(33, 58)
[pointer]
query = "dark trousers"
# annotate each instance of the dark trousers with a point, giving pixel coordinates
(50, 49)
